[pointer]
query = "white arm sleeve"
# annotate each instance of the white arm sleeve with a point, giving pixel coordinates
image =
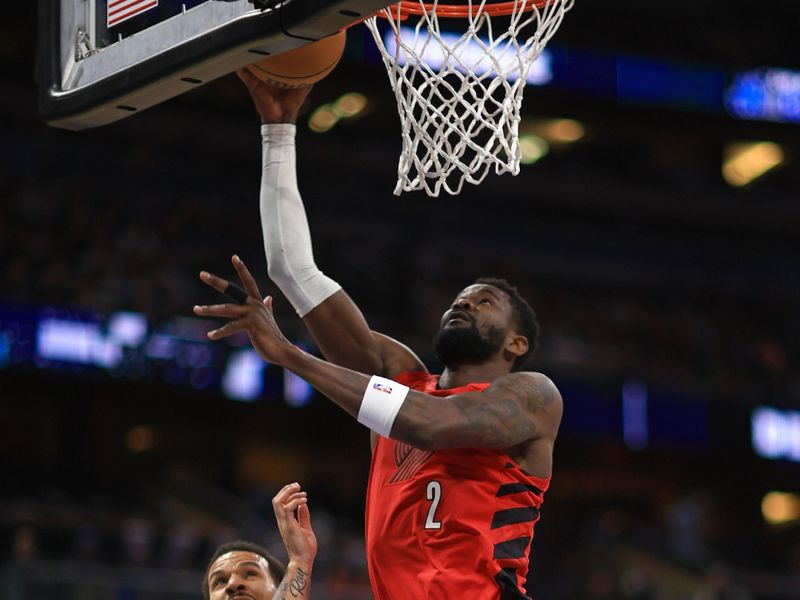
(287, 239)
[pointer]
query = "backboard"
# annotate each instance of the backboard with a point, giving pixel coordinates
(103, 60)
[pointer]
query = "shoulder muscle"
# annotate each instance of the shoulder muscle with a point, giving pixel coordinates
(536, 397)
(396, 357)
(533, 391)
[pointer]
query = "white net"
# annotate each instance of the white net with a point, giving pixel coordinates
(459, 95)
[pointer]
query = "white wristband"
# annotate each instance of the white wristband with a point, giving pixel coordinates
(382, 401)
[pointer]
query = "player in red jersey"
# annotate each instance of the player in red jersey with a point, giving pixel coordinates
(461, 460)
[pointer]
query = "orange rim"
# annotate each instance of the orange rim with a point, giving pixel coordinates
(409, 7)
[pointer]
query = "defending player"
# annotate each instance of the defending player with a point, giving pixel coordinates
(246, 570)
(460, 461)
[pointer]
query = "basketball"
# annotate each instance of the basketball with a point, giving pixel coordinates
(303, 66)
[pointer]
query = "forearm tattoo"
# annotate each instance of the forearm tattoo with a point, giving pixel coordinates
(507, 413)
(504, 418)
(297, 587)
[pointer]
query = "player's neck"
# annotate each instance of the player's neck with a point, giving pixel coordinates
(455, 376)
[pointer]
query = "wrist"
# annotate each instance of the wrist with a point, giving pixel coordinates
(281, 120)
(292, 357)
(298, 577)
(278, 132)
(381, 403)
(300, 564)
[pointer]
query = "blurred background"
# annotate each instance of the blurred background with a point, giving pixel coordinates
(655, 228)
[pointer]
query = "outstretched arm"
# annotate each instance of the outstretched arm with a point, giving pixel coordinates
(294, 522)
(516, 408)
(333, 319)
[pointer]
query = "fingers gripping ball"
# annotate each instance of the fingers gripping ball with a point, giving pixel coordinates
(303, 66)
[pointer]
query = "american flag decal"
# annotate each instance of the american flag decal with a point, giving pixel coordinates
(122, 10)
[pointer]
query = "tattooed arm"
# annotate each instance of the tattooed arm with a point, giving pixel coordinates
(294, 522)
(516, 408)
(295, 584)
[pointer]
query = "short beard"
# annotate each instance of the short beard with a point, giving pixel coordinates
(465, 345)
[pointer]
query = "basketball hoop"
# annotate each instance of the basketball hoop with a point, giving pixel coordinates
(459, 95)
(413, 7)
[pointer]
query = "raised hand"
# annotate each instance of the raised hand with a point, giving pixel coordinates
(274, 104)
(251, 314)
(294, 522)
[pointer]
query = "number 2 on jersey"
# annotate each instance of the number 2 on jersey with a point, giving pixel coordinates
(433, 493)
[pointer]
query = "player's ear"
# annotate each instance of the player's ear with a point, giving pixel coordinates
(516, 345)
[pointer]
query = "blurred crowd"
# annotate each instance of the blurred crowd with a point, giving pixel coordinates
(100, 551)
(686, 550)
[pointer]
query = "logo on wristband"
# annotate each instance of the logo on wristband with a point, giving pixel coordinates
(382, 388)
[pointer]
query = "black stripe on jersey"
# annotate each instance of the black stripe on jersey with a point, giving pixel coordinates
(510, 516)
(507, 582)
(512, 548)
(516, 488)
(510, 465)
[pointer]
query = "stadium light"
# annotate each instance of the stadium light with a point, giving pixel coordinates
(556, 131)
(778, 508)
(323, 119)
(327, 116)
(532, 148)
(350, 105)
(746, 161)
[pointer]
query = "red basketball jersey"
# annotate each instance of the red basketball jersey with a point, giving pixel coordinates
(450, 524)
